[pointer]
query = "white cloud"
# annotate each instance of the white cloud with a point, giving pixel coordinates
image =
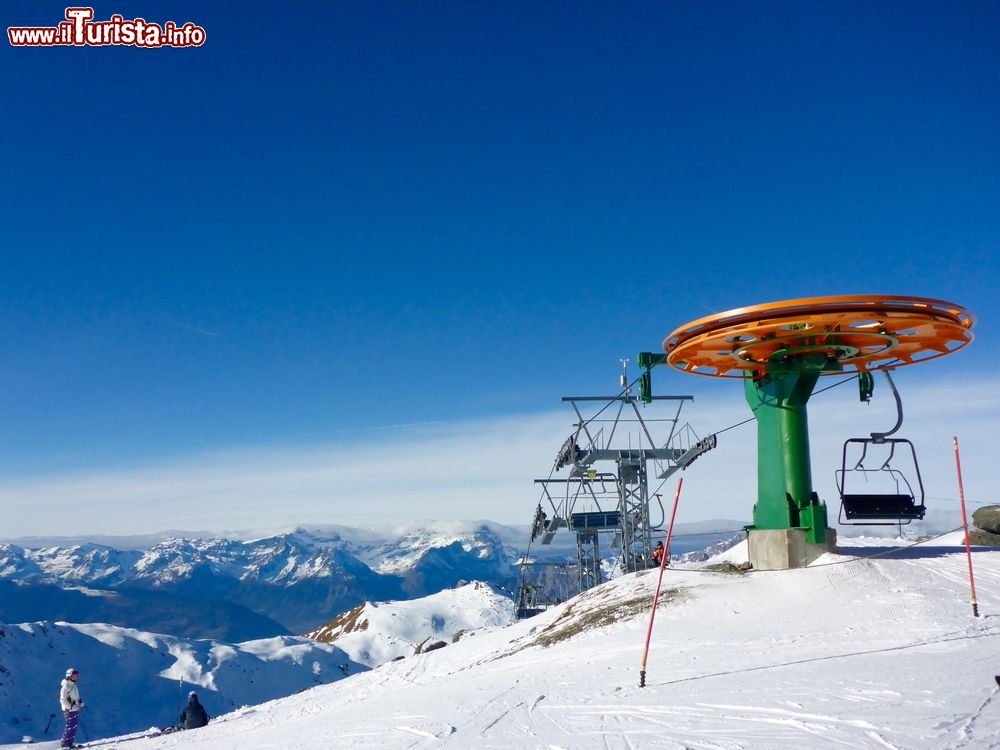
(485, 468)
(476, 469)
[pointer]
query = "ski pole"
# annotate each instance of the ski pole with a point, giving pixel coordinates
(659, 581)
(965, 523)
(86, 735)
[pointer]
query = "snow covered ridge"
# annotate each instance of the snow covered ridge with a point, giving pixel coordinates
(132, 680)
(374, 634)
(283, 559)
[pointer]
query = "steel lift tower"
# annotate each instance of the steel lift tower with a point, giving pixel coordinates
(610, 457)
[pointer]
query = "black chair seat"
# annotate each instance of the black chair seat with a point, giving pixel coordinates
(881, 506)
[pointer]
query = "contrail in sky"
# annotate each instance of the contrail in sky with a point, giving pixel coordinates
(184, 325)
(394, 426)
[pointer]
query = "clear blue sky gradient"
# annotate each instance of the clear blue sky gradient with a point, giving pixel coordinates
(337, 216)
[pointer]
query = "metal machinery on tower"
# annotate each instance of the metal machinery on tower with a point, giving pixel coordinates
(609, 458)
(779, 351)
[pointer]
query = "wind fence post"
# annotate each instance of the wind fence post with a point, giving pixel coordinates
(659, 581)
(965, 524)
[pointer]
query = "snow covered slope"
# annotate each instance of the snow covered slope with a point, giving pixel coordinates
(374, 634)
(880, 652)
(132, 680)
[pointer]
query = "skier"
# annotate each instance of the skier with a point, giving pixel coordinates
(658, 554)
(69, 699)
(193, 715)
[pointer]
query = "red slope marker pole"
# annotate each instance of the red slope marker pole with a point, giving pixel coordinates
(659, 581)
(965, 523)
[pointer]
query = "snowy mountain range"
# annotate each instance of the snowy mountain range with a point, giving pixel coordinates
(235, 589)
(239, 589)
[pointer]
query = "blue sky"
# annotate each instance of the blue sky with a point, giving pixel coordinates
(337, 217)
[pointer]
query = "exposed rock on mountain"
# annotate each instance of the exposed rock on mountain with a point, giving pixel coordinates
(376, 633)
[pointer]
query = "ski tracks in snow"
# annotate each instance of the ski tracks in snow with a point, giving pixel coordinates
(967, 728)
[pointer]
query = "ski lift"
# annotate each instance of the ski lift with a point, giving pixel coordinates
(539, 523)
(895, 502)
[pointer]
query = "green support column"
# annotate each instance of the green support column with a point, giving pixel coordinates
(647, 361)
(785, 497)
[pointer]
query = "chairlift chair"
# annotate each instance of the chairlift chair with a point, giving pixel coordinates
(879, 509)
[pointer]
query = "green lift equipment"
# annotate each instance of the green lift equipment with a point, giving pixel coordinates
(780, 350)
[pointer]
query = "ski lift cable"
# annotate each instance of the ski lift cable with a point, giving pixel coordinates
(734, 426)
(967, 500)
(623, 392)
(584, 423)
(751, 419)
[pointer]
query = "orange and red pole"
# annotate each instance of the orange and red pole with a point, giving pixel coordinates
(965, 524)
(659, 582)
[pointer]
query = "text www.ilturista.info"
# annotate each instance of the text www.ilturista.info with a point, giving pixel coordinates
(80, 30)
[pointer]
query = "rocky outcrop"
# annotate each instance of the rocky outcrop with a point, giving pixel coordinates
(987, 518)
(982, 538)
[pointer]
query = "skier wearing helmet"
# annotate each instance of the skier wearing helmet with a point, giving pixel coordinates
(69, 700)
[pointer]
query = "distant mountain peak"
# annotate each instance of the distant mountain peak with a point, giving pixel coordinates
(298, 577)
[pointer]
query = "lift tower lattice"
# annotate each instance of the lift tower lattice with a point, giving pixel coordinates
(607, 492)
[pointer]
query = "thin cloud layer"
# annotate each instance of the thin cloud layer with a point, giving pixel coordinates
(485, 468)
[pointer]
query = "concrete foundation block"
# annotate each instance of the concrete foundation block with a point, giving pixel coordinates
(781, 549)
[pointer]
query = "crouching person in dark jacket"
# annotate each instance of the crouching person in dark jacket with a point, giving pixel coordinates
(193, 716)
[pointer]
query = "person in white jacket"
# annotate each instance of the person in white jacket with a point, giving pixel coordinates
(69, 699)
